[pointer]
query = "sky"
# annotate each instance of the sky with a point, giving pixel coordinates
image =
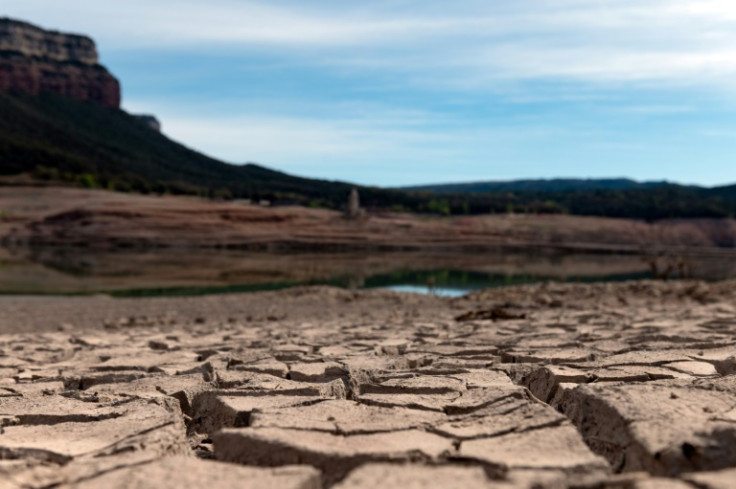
(401, 92)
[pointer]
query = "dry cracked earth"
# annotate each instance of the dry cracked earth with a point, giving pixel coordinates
(548, 386)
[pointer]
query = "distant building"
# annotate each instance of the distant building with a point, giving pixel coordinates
(353, 205)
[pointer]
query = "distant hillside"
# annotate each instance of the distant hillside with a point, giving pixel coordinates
(727, 192)
(60, 124)
(537, 185)
(58, 139)
(73, 133)
(619, 197)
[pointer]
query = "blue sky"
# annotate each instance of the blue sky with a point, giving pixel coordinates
(409, 92)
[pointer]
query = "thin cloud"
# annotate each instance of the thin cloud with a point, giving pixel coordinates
(334, 89)
(588, 41)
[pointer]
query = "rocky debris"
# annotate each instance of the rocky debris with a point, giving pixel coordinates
(582, 395)
(34, 61)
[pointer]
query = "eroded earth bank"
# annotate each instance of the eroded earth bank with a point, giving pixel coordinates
(627, 385)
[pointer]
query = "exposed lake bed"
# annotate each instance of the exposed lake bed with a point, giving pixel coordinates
(529, 386)
(538, 352)
(78, 241)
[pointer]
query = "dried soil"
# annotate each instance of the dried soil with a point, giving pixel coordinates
(44, 216)
(629, 385)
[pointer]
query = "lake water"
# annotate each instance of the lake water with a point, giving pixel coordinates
(179, 272)
(440, 291)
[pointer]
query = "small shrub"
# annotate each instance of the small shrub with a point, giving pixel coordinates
(87, 180)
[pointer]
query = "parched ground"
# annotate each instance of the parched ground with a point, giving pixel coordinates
(607, 386)
(51, 216)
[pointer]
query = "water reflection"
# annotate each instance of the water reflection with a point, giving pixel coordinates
(438, 291)
(189, 272)
(453, 283)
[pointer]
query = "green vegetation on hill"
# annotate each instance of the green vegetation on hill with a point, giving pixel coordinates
(537, 185)
(59, 140)
(62, 140)
(660, 202)
(594, 197)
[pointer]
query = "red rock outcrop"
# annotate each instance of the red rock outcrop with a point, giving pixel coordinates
(34, 61)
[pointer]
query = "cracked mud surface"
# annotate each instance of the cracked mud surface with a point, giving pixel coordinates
(608, 386)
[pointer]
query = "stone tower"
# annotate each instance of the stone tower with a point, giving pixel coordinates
(353, 204)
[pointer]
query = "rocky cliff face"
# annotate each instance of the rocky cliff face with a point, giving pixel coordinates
(33, 60)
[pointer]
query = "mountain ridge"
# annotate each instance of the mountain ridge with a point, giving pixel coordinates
(544, 185)
(72, 132)
(59, 140)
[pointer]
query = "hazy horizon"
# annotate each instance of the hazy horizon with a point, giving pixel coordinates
(414, 93)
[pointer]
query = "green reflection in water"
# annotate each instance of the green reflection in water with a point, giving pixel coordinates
(440, 280)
